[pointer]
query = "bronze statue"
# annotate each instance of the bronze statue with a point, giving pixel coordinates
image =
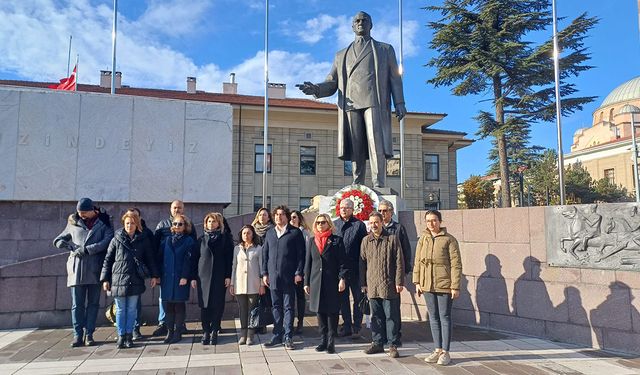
(367, 77)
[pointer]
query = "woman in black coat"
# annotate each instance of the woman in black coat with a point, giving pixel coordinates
(324, 280)
(121, 273)
(214, 256)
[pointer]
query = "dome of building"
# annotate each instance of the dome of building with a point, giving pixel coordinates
(629, 90)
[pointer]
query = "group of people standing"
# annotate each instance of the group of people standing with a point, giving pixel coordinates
(336, 264)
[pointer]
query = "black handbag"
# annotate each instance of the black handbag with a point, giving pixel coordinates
(261, 315)
(142, 269)
(363, 304)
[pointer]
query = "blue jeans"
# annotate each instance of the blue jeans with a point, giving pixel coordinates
(126, 313)
(84, 318)
(161, 313)
(138, 314)
(353, 284)
(283, 301)
(385, 321)
(439, 308)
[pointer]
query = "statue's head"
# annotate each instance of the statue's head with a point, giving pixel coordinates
(362, 24)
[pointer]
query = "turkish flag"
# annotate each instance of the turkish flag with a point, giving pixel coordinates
(68, 84)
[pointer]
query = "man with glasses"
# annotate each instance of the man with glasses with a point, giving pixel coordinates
(385, 208)
(352, 232)
(283, 255)
(163, 230)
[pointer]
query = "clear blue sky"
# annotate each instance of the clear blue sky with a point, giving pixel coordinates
(161, 42)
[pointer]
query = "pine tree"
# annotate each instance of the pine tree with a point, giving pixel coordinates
(483, 50)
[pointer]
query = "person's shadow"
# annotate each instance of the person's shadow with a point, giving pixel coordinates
(465, 311)
(530, 296)
(491, 291)
(615, 312)
(580, 329)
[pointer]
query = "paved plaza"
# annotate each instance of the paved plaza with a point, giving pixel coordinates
(47, 351)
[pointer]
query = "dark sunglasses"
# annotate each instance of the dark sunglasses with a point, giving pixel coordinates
(384, 210)
(321, 222)
(177, 224)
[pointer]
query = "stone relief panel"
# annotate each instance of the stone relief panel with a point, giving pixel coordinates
(604, 236)
(61, 146)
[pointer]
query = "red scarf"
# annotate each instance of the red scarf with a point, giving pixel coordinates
(321, 239)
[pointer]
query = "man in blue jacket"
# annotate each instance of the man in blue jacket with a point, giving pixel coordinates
(283, 255)
(352, 232)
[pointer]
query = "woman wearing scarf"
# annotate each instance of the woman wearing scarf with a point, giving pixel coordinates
(324, 280)
(177, 270)
(214, 255)
(262, 223)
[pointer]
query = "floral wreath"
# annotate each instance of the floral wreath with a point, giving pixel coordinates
(365, 201)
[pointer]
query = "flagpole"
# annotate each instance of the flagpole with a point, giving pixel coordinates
(113, 49)
(266, 104)
(75, 84)
(69, 55)
(556, 68)
(402, 158)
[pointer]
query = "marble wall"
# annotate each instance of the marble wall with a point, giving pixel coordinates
(61, 146)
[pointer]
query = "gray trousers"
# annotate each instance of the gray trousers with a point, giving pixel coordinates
(246, 303)
(364, 140)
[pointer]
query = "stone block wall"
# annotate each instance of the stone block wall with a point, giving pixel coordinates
(29, 227)
(507, 284)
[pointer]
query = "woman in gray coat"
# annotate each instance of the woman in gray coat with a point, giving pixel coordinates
(324, 280)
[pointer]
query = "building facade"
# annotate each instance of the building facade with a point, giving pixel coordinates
(604, 149)
(302, 139)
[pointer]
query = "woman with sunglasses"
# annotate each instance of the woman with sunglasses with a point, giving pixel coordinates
(177, 270)
(297, 220)
(324, 280)
(213, 254)
(437, 272)
(262, 223)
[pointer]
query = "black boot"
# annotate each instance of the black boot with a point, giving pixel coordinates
(169, 338)
(206, 338)
(120, 342)
(214, 337)
(331, 346)
(298, 330)
(177, 336)
(128, 340)
(323, 345)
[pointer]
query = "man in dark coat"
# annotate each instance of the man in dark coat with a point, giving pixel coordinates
(366, 77)
(86, 236)
(352, 232)
(163, 231)
(283, 255)
(386, 210)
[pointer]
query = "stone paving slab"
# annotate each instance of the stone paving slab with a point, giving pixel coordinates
(474, 352)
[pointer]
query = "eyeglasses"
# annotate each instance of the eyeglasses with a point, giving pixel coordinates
(177, 224)
(384, 210)
(321, 222)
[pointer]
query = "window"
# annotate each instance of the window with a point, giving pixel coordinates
(305, 202)
(257, 203)
(307, 160)
(348, 168)
(259, 154)
(431, 167)
(393, 165)
(610, 174)
(432, 206)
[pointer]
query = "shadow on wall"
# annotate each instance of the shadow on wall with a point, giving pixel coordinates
(613, 324)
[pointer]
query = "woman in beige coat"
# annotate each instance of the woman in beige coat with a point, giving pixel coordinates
(436, 273)
(246, 283)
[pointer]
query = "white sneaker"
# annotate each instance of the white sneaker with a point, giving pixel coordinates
(433, 357)
(444, 359)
